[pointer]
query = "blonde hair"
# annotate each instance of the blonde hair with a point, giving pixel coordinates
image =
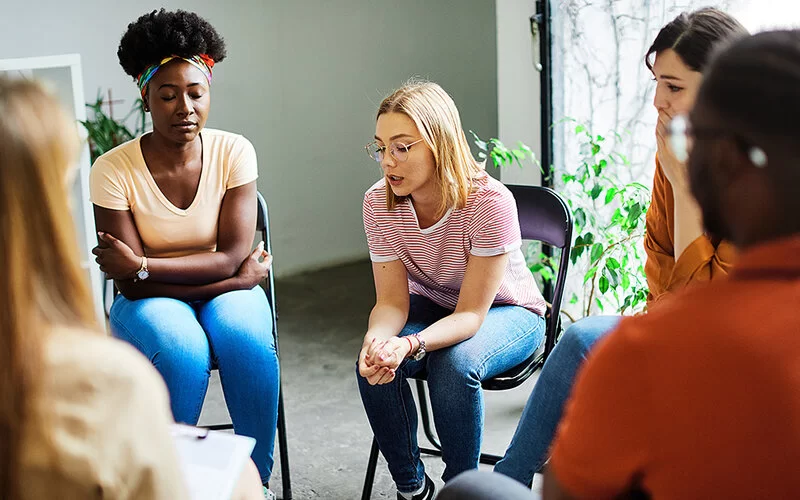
(42, 284)
(437, 119)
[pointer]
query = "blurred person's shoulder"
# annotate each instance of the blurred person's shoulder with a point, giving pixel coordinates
(101, 423)
(79, 355)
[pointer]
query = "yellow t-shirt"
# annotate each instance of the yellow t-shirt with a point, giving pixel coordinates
(107, 425)
(120, 180)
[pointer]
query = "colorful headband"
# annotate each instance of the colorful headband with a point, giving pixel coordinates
(201, 61)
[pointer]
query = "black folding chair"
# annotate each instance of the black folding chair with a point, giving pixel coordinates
(545, 217)
(262, 225)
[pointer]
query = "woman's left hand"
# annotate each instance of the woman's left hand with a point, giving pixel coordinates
(116, 259)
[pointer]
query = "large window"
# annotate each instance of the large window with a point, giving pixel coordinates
(601, 87)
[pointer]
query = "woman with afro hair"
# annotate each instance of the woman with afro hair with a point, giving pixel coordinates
(176, 211)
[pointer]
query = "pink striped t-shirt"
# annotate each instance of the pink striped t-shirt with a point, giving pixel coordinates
(436, 257)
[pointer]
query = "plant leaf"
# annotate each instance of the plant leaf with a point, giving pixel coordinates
(602, 283)
(610, 194)
(589, 274)
(580, 217)
(597, 252)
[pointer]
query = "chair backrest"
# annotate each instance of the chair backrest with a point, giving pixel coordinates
(262, 225)
(545, 217)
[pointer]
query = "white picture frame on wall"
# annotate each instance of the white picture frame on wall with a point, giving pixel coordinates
(62, 75)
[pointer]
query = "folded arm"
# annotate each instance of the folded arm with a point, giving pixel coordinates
(234, 241)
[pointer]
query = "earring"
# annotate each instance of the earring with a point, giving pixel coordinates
(758, 157)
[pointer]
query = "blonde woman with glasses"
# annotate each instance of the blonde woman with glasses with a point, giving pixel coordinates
(454, 297)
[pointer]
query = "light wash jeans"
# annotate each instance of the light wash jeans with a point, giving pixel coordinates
(529, 448)
(508, 336)
(184, 340)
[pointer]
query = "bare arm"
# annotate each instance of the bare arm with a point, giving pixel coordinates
(387, 317)
(687, 216)
(234, 240)
(688, 220)
(481, 282)
(254, 269)
(392, 300)
(145, 289)
(478, 290)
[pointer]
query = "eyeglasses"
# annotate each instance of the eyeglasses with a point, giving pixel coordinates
(682, 134)
(398, 150)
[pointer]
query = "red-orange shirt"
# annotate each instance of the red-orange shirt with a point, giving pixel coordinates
(703, 260)
(700, 398)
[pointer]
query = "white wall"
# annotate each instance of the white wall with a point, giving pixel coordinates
(302, 81)
(781, 14)
(518, 88)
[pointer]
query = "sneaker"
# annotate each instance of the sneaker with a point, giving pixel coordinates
(269, 494)
(427, 494)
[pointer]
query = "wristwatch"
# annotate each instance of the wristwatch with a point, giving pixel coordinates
(142, 273)
(421, 352)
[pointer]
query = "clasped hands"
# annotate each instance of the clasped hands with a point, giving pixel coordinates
(118, 261)
(379, 358)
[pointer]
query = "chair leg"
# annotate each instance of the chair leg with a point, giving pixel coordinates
(426, 418)
(283, 447)
(369, 479)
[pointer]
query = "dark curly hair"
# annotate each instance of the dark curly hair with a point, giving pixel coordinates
(162, 33)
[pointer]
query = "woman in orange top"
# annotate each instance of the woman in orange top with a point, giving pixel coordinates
(679, 252)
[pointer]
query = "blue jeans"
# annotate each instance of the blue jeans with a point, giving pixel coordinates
(184, 341)
(508, 336)
(529, 448)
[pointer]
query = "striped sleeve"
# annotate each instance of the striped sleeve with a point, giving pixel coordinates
(379, 248)
(494, 228)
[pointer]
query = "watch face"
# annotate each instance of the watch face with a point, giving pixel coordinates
(143, 275)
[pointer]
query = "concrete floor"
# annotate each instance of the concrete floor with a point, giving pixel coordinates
(322, 320)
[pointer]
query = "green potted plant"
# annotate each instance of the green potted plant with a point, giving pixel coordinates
(609, 225)
(105, 132)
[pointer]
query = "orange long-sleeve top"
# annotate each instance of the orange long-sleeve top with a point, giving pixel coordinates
(703, 260)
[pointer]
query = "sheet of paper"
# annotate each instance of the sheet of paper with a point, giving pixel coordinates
(211, 461)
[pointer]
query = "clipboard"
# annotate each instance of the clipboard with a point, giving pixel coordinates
(211, 461)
